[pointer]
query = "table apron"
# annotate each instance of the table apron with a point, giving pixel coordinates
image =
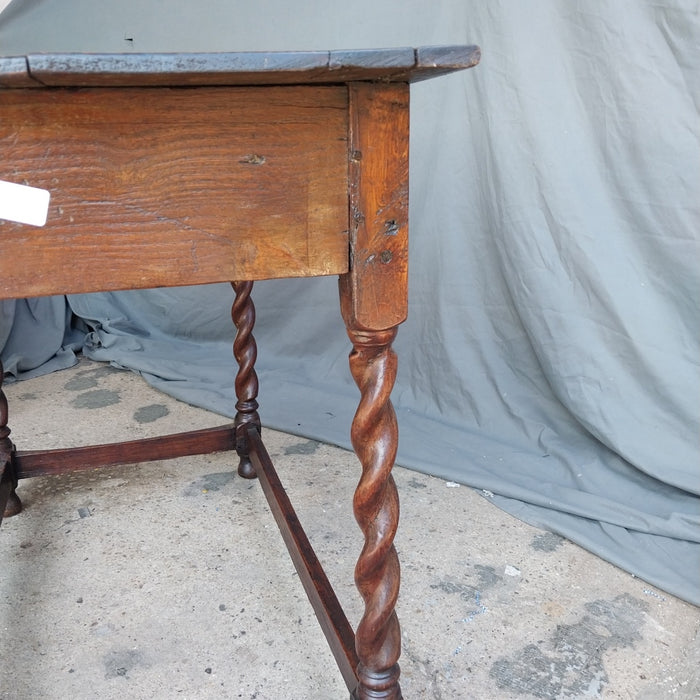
(172, 186)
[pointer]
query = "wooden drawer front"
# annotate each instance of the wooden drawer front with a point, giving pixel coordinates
(171, 186)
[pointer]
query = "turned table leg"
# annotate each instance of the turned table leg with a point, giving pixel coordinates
(13, 505)
(374, 437)
(374, 301)
(245, 351)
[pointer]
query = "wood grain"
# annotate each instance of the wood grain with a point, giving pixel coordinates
(164, 187)
(374, 293)
(374, 438)
(60, 461)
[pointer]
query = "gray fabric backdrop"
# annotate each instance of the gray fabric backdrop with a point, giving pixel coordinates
(551, 354)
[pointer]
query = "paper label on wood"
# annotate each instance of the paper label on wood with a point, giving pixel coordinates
(23, 204)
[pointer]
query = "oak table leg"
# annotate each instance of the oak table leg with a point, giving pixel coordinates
(374, 300)
(374, 436)
(245, 351)
(13, 505)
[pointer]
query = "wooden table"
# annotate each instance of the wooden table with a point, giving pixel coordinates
(178, 169)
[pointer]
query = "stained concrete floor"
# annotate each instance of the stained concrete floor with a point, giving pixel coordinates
(170, 579)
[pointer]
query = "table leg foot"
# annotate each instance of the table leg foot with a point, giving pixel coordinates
(245, 351)
(13, 505)
(374, 437)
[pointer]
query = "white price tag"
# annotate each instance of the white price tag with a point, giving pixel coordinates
(23, 204)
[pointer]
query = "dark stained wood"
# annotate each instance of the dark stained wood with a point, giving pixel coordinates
(374, 300)
(243, 68)
(10, 503)
(6, 487)
(375, 290)
(329, 612)
(59, 461)
(245, 351)
(234, 183)
(13, 504)
(374, 436)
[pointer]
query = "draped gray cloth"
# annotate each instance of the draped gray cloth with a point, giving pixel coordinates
(551, 354)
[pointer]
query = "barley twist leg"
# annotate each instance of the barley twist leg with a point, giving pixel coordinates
(13, 505)
(375, 438)
(245, 351)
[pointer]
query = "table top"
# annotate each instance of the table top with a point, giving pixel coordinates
(236, 68)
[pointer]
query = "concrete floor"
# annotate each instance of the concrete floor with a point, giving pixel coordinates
(170, 579)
